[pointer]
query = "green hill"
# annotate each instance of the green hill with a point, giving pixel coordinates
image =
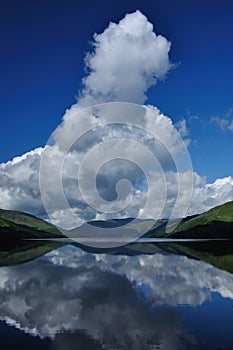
(215, 223)
(17, 225)
(222, 213)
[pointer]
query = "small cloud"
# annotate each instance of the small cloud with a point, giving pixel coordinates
(229, 113)
(221, 122)
(225, 122)
(230, 127)
(181, 127)
(191, 116)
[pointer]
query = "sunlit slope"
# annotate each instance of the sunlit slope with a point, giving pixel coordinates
(216, 222)
(15, 224)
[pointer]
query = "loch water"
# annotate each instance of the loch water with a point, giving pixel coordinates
(144, 296)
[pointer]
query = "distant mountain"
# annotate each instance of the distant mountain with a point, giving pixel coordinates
(110, 223)
(18, 225)
(124, 230)
(215, 223)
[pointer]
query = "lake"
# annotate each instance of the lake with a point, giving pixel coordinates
(142, 296)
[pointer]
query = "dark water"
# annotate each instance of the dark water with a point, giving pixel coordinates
(72, 299)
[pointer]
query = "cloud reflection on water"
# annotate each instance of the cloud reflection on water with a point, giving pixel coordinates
(124, 302)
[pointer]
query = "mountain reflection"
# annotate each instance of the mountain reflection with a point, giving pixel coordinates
(119, 302)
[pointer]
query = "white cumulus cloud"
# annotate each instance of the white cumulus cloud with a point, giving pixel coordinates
(127, 58)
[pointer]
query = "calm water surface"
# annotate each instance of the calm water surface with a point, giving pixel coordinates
(72, 299)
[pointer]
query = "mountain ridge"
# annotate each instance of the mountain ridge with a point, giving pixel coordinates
(17, 225)
(214, 223)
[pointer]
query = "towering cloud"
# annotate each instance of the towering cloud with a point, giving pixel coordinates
(127, 59)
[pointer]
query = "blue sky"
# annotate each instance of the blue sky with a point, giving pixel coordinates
(43, 44)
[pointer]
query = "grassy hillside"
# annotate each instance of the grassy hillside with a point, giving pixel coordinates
(221, 213)
(25, 219)
(215, 223)
(16, 225)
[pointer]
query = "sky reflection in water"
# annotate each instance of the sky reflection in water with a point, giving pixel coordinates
(118, 301)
